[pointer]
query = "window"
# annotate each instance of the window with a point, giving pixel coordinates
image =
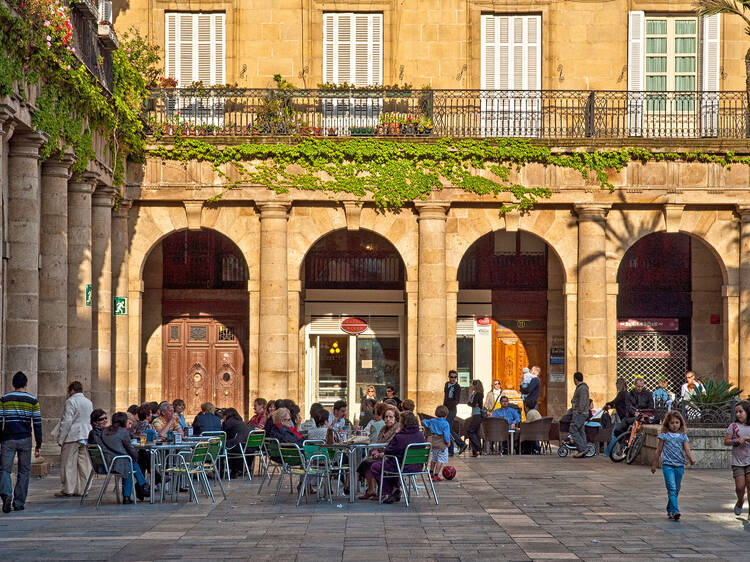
(353, 48)
(511, 62)
(671, 60)
(195, 47)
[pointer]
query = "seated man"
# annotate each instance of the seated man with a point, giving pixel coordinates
(508, 412)
(663, 398)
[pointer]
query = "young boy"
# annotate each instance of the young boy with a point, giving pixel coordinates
(440, 440)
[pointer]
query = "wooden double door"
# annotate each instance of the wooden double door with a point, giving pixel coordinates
(204, 362)
(512, 350)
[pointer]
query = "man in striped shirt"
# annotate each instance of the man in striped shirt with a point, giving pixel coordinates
(19, 412)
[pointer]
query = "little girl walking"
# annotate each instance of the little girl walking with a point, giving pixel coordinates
(672, 449)
(738, 437)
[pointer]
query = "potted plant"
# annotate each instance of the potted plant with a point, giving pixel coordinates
(167, 83)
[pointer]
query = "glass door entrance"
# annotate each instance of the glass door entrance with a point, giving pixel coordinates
(348, 364)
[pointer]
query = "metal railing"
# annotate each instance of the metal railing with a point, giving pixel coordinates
(448, 113)
(87, 48)
(353, 270)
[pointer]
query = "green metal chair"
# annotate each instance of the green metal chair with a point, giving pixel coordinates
(272, 452)
(100, 466)
(416, 453)
(181, 464)
(212, 461)
(223, 452)
(295, 463)
(254, 441)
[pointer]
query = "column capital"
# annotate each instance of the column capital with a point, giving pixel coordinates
(592, 211)
(193, 212)
(104, 196)
(274, 209)
(59, 166)
(26, 144)
(123, 208)
(84, 182)
(744, 212)
(6, 116)
(432, 210)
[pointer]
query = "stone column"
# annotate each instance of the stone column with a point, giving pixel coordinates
(296, 375)
(273, 352)
(6, 130)
(432, 305)
(744, 290)
(79, 280)
(409, 390)
(101, 274)
(22, 289)
(121, 339)
(53, 291)
(592, 299)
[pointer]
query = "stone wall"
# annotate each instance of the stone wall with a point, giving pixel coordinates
(707, 445)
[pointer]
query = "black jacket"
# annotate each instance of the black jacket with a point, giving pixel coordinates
(620, 404)
(114, 444)
(532, 391)
(451, 403)
(206, 422)
(237, 432)
(640, 401)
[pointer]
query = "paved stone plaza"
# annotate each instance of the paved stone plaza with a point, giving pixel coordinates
(519, 508)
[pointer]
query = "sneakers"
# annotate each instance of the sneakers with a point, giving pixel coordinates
(7, 500)
(436, 478)
(676, 516)
(127, 500)
(738, 510)
(461, 448)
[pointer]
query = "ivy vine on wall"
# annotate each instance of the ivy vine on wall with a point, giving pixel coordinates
(395, 172)
(36, 48)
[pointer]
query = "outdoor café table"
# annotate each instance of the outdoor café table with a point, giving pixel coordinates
(357, 452)
(162, 450)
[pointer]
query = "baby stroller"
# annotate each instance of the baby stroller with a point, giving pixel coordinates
(568, 446)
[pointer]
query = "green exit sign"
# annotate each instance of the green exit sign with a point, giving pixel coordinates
(88, 295)
(120, 306)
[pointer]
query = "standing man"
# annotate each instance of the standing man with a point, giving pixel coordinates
(75, 425)
(532, 389)
(451, 397)
(580, 407)
(19, 412)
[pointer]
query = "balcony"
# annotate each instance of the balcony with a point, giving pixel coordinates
(545, 114)
(87, 41)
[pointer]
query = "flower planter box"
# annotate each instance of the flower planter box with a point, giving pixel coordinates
(398, 93)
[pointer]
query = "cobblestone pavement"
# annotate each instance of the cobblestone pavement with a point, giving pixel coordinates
(514, 508)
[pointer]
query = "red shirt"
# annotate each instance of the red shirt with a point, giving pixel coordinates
(259, 420)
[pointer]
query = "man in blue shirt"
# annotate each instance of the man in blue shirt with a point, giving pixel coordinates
(508, 412)
(663, 395)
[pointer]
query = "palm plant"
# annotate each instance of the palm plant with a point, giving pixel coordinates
(739, 8)
(714, 393)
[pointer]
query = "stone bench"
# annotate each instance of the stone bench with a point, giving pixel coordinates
(707, 444)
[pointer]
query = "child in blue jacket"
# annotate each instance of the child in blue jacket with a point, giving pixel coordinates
(440, 440)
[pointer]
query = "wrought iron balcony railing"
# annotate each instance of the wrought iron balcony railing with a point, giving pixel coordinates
(89, 49)
(448, 113)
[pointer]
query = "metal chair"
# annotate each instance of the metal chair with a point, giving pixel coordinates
(212, 462)
(496, 430)
(254, 441)
(100, 466)
(223, 451)
(415, 453)
(535, 431)
(272, 452)
(295, 463)
(189, 466)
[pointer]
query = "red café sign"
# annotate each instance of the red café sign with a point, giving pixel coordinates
(484, 321)
(353, 325)
(648, 325)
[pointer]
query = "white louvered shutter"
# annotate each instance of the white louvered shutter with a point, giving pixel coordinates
(195, 49)
(711, 75)
(636, 71)
(353, 48)
(511, 60)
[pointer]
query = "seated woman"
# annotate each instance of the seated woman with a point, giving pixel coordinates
(283, 429)
(389, 429)
(207, 420)
(114, 441)
(237, 431)
(409, 433)
(374, 426)
(320, 419)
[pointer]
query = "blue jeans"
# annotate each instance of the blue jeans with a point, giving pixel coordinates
(672, 480)
(127, 483)
(8, 450)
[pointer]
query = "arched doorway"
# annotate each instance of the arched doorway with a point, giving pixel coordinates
(669, 311)
(200, 278)
(353, 318)
(511, 315)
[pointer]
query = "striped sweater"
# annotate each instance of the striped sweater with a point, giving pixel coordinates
(19, 412)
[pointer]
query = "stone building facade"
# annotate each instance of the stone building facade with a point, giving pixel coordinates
(218, 301)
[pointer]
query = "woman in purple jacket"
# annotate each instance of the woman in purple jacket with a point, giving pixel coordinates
(409, 434)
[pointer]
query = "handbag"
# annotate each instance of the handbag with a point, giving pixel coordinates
(486, 413)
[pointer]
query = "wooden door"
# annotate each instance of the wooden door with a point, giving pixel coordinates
(512, 350)
(203, 362)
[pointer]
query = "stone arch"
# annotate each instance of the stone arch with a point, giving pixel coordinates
(557, 228)
(307, 228)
